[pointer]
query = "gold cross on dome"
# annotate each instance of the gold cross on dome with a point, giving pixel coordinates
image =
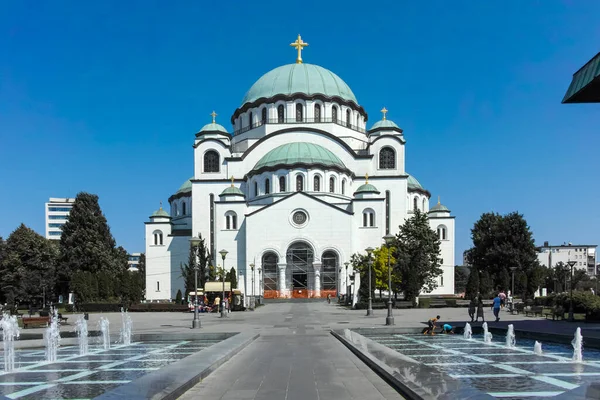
(366, 178)
(299, 45)
(384, 111)
(231, 180)
(214, 116)
(438, 199)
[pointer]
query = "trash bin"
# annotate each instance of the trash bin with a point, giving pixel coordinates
(86, 316)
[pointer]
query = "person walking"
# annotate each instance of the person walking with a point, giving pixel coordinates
(496, 307)
(472, 309)
(479, 311)
(328, 298)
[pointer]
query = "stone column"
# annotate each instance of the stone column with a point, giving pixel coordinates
(317, 268)
(281, 281)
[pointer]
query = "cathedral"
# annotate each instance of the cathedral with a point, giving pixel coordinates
(295, 187)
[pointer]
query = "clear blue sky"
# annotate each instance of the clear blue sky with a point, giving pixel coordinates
(105, 97)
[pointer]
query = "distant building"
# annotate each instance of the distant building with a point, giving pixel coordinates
(57, 214)
(585, 86)
(134, 261)
(583, 254)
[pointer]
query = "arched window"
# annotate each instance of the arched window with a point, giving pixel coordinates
(174, 209)
(250, 120)
(334, 112)
(348, 118)
(441, 280)
(357, 120)
(299, 183)
(267, 186)
(387, 158)
(332, 184)
(280, 114)
(282, 183)
(441, 231)
(269, 267)
(329, 263)
(317, 113)
(368, 218)
(415, 204)
(230, 220)
(423, 208)
(211, 161)
(263, 116)
(255, 189)
(299, 112)
(343, 186)
(183, 210)
(158, 238)
(317, 183)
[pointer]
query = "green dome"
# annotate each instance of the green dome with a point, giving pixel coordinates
(213, 127)
(439, 208)
(232, 191)
(366, 188)
(186, 187)
(299, 153)
(160, 213)
(384, 123)
(299, 78)
(413, 183)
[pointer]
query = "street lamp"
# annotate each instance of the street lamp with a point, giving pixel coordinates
(252, 303)
(389, 239)
(512, 291)
(223, 253)
(571, 317)
(347, 283)
(194, 242)
(369, 251)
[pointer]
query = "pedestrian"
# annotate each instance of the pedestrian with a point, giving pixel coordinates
(472, 309)
(479, 311)
(431, 325)
(217, 303)
(496, 307)
(502, 296)
(328, 298)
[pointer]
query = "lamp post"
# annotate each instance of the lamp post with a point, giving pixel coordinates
(252, 303)
(347, 285)
(512, 290)
(369, 251)
(194, 242)
(389, 239)
(223, 253)
(571, 317)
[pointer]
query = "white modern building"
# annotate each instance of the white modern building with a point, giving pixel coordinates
(57, 214)
(301, 184)
(584, 256)
(133, 261)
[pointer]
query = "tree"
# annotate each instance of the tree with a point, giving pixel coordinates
(380, 269)
(86, 243)
(28, 267)
(359, 263)
(472, 287)
(178, 297)
(500, 243)
(233, 278)
(189, 277)
(142, 265)
(417, 252)
(461, 276)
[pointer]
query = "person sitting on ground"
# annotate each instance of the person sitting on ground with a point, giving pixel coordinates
(447, 328)
(431, 326)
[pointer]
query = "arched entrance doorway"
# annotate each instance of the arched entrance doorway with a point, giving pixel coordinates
(329, 275)
(269, 269)
(299, 259)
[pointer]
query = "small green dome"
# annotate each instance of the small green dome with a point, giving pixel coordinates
(366, 188)
(299, 78)
(232, 191)
(439, 208)
(299, 153)
(160, 213)
(383, 124)
(213, 126)
(413, 183)
(186, 187)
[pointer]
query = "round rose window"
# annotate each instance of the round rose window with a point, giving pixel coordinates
(300, 217)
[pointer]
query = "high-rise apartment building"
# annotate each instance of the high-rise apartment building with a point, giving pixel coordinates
(584, 255)
(57, 214)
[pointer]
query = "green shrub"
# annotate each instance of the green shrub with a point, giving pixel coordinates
(424, 302)
(158, 307)
(98, 307)
(178, 297)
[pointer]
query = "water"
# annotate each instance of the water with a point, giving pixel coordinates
(82, 335)
(468, 332)
(126, 327)
(10, 331)
(52, 337)
(537, 348)
(577, 344)
(487, 336)
(105, 329)
(511, 340)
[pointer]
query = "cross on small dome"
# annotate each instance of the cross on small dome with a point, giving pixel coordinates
(299, 45)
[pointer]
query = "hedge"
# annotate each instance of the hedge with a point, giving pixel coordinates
(158, 307)
(94, 307)
(583, 302)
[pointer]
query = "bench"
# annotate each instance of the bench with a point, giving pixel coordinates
(555, 313)
(61, 318)
(28, 321)
(535, 310)
(517, 308)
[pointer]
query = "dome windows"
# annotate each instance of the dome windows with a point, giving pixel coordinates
(267, 186)
(317, 113)
(174, 209)
(387, 158)
(280, 114)
(263, 116)
(348, 122)
(334, 114)
(211, 161)
(299, 112)
(415, 204)
(299, 183)
(332, 185)
(343, 187)
(250, 120)
(317, 183)
(282, 183)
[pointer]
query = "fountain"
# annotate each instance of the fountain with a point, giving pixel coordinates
(487, 336)
(104, 328)
(10, 331)
(82, 335)
(537, 348)
(577, 346)
(52, 337)
(511, 341)
(468, 332)
(126, 327)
